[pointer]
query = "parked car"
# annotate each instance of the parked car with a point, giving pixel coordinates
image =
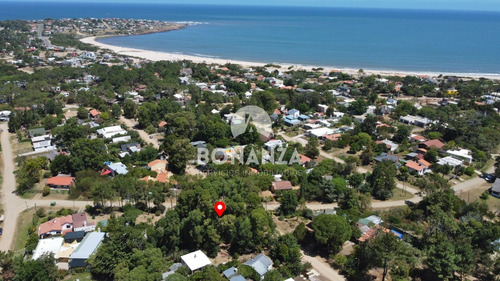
(52, 203)
(1, 231)
(489, 178)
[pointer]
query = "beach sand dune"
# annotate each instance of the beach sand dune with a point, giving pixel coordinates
(158, 56)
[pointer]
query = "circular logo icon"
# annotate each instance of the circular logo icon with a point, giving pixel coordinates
(251, 115)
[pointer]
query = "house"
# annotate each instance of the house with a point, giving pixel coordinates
(94, 114)
(432, 144)
(195, 260)
(463, 154)
(80, 223)
(121, 139)
(390, 145)
(57, 226)
(294, 113)
(87, 247)
(281, 185)
(290, 121)
(322, 108)
(386, 157)
(261, 263)
(417, 138)
(41, 145)
(272, 144)
(416, 167)
(304, 159)
(448, 160)
(162, 124)
(41, 138)
(130, 147)
(116, 168)
(334, 137)
(109, 132)
(320, 132)
(61, 181)
(158, 165)
(230, 272)
(48, 246)
(238, 278)
(495, 189)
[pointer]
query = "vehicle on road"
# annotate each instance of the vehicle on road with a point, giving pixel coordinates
(52, 203)
(489, 178)
(1, 231)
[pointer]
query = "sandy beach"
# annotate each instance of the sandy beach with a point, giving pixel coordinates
(158, 56)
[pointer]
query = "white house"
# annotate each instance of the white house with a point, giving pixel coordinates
(109, 132)
(320, 132)
(464, 154)
(48, 246)
(195, 260)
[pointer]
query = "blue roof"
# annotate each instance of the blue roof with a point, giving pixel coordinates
(118, 168)
(305, 117)
(399, 235)
(238, 278)
(292, 121)
(230, 272)
(88, 245)
(260, 263)
(293, 111)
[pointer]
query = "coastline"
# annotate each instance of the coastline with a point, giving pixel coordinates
(158, 56)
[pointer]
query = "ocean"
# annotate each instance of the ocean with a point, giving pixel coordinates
(383, 39)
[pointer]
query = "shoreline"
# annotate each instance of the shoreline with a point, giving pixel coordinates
(158, 56)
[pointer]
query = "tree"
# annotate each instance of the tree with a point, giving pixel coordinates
(42, 269)
(442, 259)
(386, 248)
(402, 133)
(179, 153)
(116, 110)
(311, 149)
(82, 113)
(289, 202)
(60, 164)
(431, 155)
(129, 109)
(331, 231)
(497, 167)
(87, 153)
(382, 180)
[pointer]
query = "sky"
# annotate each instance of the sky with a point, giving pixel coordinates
(487, 5)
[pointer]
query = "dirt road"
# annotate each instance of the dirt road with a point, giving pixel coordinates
(145, 137)
(323, 268)
(10, 202)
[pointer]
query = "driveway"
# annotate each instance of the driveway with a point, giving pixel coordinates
(145, 137)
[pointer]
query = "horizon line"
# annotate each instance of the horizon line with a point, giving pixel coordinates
(490, 10)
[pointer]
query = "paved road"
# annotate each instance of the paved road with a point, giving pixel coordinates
(131, 124)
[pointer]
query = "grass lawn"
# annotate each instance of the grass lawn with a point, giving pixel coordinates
(291, 133)
(488, 164)
(400, 194)
(493, 203)
(23, 224)
(473, 194)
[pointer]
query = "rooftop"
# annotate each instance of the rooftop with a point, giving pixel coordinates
(48, 246)
(196, 260)
(60, 181)
(88, 245)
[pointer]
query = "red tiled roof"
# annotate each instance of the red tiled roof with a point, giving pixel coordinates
(55, 224)
(105, 172)
(304, 159)
(333, 137)
(162, 124)
(415, 166)
(281, 185)
(425, 163)
(418, 138)
(382, 125)
(61, 180)
(434, 143)
(94, 112)
(157, 161)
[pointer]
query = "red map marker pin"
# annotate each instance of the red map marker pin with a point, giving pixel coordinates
(219, 208)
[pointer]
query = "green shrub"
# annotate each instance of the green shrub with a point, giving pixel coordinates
(46, 191)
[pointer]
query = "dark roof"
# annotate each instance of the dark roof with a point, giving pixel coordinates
(125, 147)
(386, 157)
(74, 235)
